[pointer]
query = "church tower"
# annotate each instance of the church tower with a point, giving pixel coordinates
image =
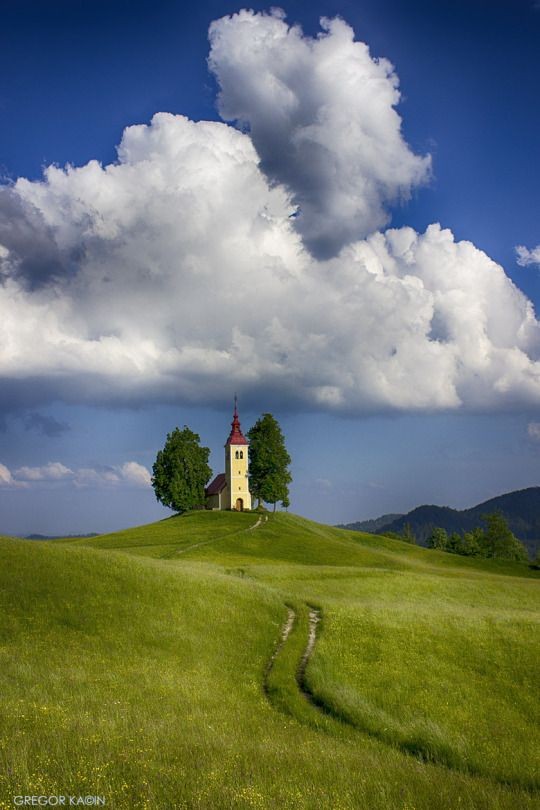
(236, 466)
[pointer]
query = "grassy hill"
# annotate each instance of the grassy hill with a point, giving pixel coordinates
(150, 666)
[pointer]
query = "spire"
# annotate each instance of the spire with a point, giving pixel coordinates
(236, 436)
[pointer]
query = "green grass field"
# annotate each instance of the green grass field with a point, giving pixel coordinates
(148, 666)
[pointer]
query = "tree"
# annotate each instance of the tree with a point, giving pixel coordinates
(472, 543)
(498, 541)
(181, 471)
(454, 544)
(269, 476)
(438, 539)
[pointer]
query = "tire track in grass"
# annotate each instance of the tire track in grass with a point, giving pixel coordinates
(284, 698)
(314, 619)
(285, 633)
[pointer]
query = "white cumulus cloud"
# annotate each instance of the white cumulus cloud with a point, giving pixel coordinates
(177, 273)
(131, 473)
(135, 473)
(526, 257)
(53, 471)
(321, 114)
(7, 480)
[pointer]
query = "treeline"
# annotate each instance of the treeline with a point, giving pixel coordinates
(494, 541)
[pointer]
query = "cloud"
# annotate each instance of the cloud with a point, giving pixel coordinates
(321, 114)
(53, 471)
(6, 479)
(178, 275)
(28, 249)
(96, 477)
(533, 429)
(323, 484)
(128, 474)
(526, 257)
(135, 473)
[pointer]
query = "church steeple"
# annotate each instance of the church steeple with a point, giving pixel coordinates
(236, 466)
(236, 436)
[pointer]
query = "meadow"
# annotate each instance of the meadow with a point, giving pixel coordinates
(149, 666)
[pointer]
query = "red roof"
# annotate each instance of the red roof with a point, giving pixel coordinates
(217, 485)
(236, 436)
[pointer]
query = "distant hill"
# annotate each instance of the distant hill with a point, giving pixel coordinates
(521, 509)
(371, 526)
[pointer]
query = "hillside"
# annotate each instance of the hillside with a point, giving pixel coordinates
(162, 667)
(521, 508)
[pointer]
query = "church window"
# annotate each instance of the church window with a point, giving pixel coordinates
(236, 456)
(241, 454)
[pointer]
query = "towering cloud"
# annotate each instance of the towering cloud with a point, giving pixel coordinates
(321, 114)
(179, 271)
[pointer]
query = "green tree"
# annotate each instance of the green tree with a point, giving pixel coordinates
(472, 543)
(499, 542)
(438, 539)
(454, 544)
(269, 475)
(181, 471)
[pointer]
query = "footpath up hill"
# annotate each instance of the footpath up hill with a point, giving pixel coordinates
(165, 666)
(281, 537)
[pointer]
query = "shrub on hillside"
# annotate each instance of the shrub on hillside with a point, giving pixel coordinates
(438, 539)
(496, 541)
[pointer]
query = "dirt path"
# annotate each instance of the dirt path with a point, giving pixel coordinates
(262, 519)
(323, 709)
(215, 539)
(314, 619)
(285, 633)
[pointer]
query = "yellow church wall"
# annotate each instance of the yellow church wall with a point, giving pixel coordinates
(236, 472)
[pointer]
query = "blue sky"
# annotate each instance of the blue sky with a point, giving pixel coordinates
(73, 77)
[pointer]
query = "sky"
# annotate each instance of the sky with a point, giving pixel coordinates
(330, 209)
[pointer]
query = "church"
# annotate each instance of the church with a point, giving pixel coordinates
(230, 490)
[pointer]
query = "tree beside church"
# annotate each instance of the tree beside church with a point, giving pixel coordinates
(269, 474)
(181, 471)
